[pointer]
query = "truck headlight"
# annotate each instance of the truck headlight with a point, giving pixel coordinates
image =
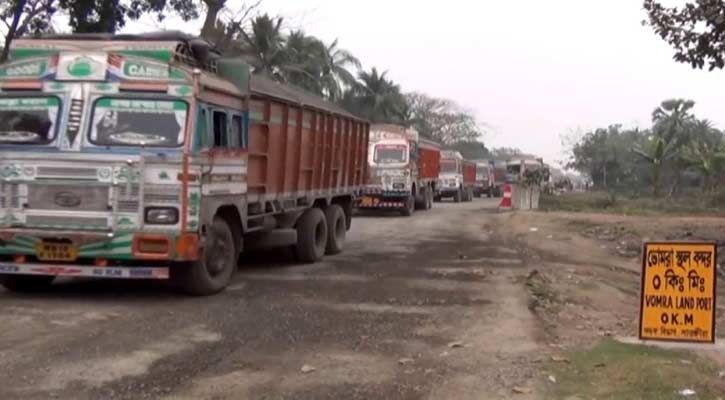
(161, 215)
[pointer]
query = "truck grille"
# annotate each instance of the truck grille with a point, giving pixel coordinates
(9, 195)
(67, 172)
(43, 221)
(68, 197)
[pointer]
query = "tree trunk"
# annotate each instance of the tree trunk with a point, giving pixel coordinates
(656, 179)
(13, 28)
(213, 7)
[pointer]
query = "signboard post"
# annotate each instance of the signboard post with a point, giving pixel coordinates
(677, 296)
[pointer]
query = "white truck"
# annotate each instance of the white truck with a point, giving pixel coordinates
(456, 178)
(403, 170)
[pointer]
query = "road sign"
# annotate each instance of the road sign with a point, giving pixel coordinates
(677, 296)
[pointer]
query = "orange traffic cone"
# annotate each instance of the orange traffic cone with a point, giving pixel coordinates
(506, 200)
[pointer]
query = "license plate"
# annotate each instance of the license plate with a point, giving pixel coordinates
(46, 251)
(368, 201)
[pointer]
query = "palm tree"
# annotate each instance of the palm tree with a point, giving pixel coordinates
(264, 44)
(375, 97)
(335, 74)
(304, 57)
(670, 131)
(705, 152)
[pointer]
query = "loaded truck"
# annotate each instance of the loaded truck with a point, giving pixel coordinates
(484, 179)
(499, 177)
(457, 177)
(151, 156)
(403, 170)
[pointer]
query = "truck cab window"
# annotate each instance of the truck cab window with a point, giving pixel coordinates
(221, 138)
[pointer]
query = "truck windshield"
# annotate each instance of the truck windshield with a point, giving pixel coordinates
(126, 122)
(28, 120)
(390, 154)
(448, 166)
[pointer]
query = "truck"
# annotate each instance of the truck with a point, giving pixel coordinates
(153, 157)
(403, 170)
(499, 177)
(457, 177)
(484, 179)
(517, 167)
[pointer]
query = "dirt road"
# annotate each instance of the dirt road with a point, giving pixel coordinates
(460, 302)
(432, 306)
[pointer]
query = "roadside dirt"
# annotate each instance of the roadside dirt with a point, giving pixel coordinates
(460, 302)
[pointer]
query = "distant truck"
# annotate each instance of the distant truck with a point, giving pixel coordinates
(484, 179)
(517, 167)
(457, 177)
(403, 170)
(144, 157)
(499, 177)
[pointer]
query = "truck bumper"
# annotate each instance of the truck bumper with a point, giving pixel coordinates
(447, 192)
(84, 271)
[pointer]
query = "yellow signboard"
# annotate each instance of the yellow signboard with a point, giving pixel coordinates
(678, 292)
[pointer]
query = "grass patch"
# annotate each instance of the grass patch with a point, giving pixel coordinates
(696, 203)
(614, 370)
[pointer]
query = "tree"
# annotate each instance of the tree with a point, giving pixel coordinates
(375, 98)
(470, 150)
(264, 42)
(502, 153)
(22, 17)
(705, 153)
(441, 119)
(671, 122)
(85, 16)
(696, 31)
(335, 74)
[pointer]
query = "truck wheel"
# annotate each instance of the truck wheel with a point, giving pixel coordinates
(409, 207)
(217, 263)
(457, 196)
(26, 283)
(311, 236)
(420, 200)
(336, 229)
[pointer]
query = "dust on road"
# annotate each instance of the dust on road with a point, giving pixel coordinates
(430, 307)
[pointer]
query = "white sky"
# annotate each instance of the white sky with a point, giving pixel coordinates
(532, 70)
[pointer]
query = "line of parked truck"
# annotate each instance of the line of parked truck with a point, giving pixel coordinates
(153, 157)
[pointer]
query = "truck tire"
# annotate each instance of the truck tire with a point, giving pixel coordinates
(457, 196)
(26, 283)
(409, 206)
(336, 229)
(311, 236)
(217, 263)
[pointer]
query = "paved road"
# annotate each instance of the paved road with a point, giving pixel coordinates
(385, 319)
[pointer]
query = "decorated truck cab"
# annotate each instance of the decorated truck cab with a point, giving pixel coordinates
(403, 170)
(151, 156)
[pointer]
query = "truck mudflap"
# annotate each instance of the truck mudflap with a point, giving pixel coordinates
(84, 271)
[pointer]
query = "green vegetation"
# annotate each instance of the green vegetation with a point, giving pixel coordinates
(613, 370)
(608, 202)
(679, 153)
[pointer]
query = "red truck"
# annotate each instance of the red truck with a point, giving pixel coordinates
(154, 158)
(403, 170)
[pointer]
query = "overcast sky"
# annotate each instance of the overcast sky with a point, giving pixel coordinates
(532, 70)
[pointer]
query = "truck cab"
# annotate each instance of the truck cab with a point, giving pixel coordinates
(450, 179)
(484, 179)
(403, 169)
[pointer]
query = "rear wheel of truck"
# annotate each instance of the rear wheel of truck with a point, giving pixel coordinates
(26, 283)
(408, 206)
(311, 236)
(336, 229)
(217, 263)
(457, 196)
(420, 199)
